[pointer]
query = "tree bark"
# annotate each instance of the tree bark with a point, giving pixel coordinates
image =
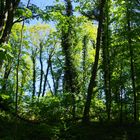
(85, 41)
(70, 72)
(92, 82)
(46, 76)
(34, 76)
(17, 69)
(69, 69)
(7, 17)
(53, 78)
(7, 12)
(41, 71)
(132, 63)
(106, 60)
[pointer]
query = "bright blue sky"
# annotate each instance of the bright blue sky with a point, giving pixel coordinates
(41, 3)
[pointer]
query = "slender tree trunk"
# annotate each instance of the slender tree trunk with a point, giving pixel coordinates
(18, 63)
(106, 60)
(85, 41)
(132, 64)
(57, 81)
(46, 77)
(41, 71)
(23, 79)
(17, 87)
(34, 76)
(107, 80)
(47, 72)
(121, 105)
(50, 87)
(53, 78)
(17, 70)
(95, 65)
(120, 102)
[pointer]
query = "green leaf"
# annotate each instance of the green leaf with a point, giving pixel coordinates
(27, 13)
(4, 97)
(9, 55)
(2, 50)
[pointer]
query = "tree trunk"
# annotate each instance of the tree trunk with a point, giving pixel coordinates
(70, 75)
(7, 16)
(17, 69)
(70, 72)
(85, 41)
(95, 65)
(41, 71)
(34, 76)
(130, 47)
(46, 76)
(53, 78)
(106, 60)
(7, 12)
(57, 81)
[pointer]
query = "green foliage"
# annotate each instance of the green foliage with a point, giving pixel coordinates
(68, 44)
(5, 51)
(24, 12)
(50, 109)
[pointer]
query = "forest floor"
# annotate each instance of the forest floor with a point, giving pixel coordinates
(104, 131)
(12, 130)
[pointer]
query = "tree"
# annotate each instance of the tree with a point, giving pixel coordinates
(92, 83)
(7, 13)
(106, 57)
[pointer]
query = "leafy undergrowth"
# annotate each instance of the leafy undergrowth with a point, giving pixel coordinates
(10, 129)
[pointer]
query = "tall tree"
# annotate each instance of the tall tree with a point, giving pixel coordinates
(7, 12)
(132, 71)
(70, 72)
(106, 57)
(92, 82)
